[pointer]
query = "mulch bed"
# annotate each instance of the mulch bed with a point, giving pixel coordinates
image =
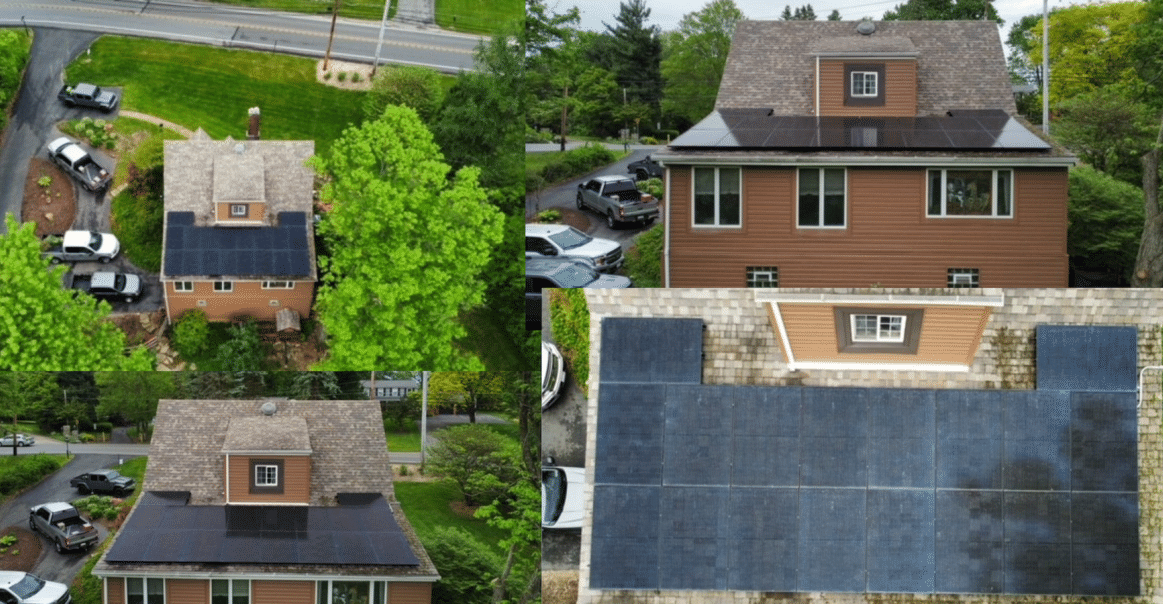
(54, 208)
(24, 554)
(574, 218)
(461, 509)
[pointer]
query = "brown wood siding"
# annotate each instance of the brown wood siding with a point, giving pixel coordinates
(296, 480)
(282, 592)
(115, 587)
(187, 591)
(248, 299)
(889, 241)
(254, 212)
(949, 334)
(900, 89)
(409, 593)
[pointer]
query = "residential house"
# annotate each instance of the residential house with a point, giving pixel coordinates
(844, 154)
(389, 390)
(267, 502)
(238, 238)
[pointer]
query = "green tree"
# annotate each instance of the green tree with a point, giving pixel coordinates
(134, 395)
(632, 50)
(1148, 87)
(404, 412)
(475, 388)
(694, 59)
(481, 463)
(467, 567)
(802, 13)
(244, 351)
(834, 15)
(407, 85)
(943, 10)
(1108, 130)
(46, 327)
(407, 247)
(24, 393)
(597, 98)
(1106, 222)
(14, 45)
(520, 577)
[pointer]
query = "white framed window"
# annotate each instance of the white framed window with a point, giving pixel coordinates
(864, 84)
(980, 193)
(238, 210)
(963, 277)
(822, 198)
(266, 476)
(878, 328)
(278, 285)
(223, 286)
(230, 591)
(183, 286)
(762, 276)
(141, 590)
(351, 592)
(717, 197)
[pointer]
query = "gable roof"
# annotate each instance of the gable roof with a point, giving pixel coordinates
(960, 64)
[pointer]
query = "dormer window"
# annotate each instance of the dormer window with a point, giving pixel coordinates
(864, 84)
(266, 476)
(238, 210)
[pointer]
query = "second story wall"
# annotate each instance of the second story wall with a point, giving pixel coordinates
(251, 479)
(895, 86)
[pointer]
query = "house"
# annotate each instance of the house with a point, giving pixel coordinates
(845, 154)
(267, 502)
(389, 390)
(238, 239)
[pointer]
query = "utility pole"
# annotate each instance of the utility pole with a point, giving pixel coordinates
(380, 44)
(1045, 66)
(423, 420)
(564, 106)
(331, 38)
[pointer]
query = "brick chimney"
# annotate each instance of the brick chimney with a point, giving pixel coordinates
(252, 133)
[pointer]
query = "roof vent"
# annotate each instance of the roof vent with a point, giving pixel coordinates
(269, 408)
(866, 27)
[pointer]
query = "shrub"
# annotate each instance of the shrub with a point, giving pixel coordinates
(342, 76)
(653, 186)
(479, 461)
(22, 471)
(244, 351)
(8, 540)
(553, 215)
(327, 75)
(44, 181)
(533, 135)
(467, 567)
(355, 77)
(408, 86)
(570, 317)
(192, 333)
(644, 260)
(403, 472)
(648, 140)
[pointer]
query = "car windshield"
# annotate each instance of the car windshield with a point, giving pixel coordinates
(570, 238)
(27, 586)
(553, 497)
(112, 475)
(621, 186)
(95, 240)
(575, 275)
(549, 374)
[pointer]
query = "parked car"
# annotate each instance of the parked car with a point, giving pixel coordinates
(106, 285)
(618, 199)
(87, 95)
(562, 496)
(82, 246)
(22, 440)
(79, 164)
(644, 169)
(63, 525)
(559, 240)
(108, 482)
(541, 273)
(552, 374)
(24, 588)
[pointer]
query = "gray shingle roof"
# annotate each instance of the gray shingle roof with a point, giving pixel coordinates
(262, 433)
(960, 64)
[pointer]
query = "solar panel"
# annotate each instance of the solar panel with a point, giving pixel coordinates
(652, 350)
(280, 251)
(1087, 357)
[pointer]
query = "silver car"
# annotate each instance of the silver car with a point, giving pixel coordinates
(562, 496)
(22, 440)
(24, 588)
(552, 374)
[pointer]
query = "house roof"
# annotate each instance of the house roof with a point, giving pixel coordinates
(256, 434)
(283, 250)
(960, 64)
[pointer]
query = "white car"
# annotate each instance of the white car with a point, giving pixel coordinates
(22, 440)
(552, 374)
(562, 496)
(23, 588)
(562, 241)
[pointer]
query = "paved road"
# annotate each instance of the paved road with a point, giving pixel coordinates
(221, 25)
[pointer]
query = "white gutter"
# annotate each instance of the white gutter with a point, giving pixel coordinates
(848, 366)
(227, 478)
(775, 297)
(740, 158)
(263, 576)
(266, 453)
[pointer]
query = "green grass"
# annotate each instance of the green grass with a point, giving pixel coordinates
(127, 127)
(211, 88)
(355, 9)
(404, 442)
(476, 16)
(426, 507)
(139, 233)
(489, 341)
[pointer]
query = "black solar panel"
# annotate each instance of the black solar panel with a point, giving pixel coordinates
(652, 350)
(280, 251)
(1087, 357)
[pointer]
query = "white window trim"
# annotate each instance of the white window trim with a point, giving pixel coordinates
(288, 285)
(716, 224)
(238, 210)
(371, 588)
(230, 589)
(822, 170)
(966, 277)
(259, 470)
(144, 587)
(864, 75)
(993, 194)
(183, 286)
(223, 287)
(879, 337)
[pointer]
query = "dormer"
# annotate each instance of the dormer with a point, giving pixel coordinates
(267, 459)
(239, 188)
(868, 75)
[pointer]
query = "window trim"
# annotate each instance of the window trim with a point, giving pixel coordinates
(183, 286)
(851, 100)
(864, 79)
(973, 273)
(822, 172)
(716, 224)
(230, 595)
(223, 287)
(144, 582)
(325, 595)
(280, 477)
(879, 336)
(994, 172)
(286, 285)
(239, 210)
(846, 343)
(752, 271)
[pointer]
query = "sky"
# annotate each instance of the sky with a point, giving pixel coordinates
(667, 13)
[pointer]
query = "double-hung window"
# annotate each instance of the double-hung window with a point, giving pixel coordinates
(230, 591)
(864, 84)
(878, 328)
(140, 590)
(266, 476)
(223, 286)
(717, 196)
(822, 197)
(979, 192)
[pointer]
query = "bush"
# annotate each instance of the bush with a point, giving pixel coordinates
(648, 140)
(467, 567)
(644, 260)
(23, 471)
(482, 463)
(653, 186)
(105, 426)
(244, 351)
(342, 76)
(44, 181)
(191, 333)
(408, 86)
(571, 163)
(98, 133)
(536, 136)
(553, 215)
(1106, 222)
(570, 316)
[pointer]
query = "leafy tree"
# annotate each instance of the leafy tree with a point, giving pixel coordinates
(408, 247)
(802, 13)
(46, 327)
(407, 85)
(521, 393)
(1090, 47)
(244, 351)
(598, 99)
(943, 10)
(552, 62)
(480, 462)
(14, 45)
(632, 50)
(1148, 38)
(134, 395)
(1108, 130)
(520, 577)
(404, 412)
(24, 393)
(834, 15)
(312, 385)
(467, 566)
(191, 333)
(695, 56)
(475, 388)
(79, 389)
(1106, 222)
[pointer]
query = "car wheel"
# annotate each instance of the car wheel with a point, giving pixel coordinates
(610, 222)
(641, 175)
(55, 260)
(104, 259)
(70, 104)
(82, 489)
(130, 300)
(580, 205)
(32, 525)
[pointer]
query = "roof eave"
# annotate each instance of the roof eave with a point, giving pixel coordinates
(743, 158)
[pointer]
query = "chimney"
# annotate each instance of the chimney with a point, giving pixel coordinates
(252, 133)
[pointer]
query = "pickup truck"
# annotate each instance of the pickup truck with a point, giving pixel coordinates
(63, 525)
(618, 199)
(106, 285)
(18, 587)
(103, 481)
(645, 168)
(79, 164)
(82, 246)
(87, 95)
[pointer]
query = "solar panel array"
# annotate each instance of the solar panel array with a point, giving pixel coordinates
(759, 129)
(280, 251)
(865, 489)
(164, 530)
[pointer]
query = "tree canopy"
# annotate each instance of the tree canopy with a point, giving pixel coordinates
(942, 10)
(695, 56)
(407, 247)
(801, 13)
(632, 51)
(407, 85)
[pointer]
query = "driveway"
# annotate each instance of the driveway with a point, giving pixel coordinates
(563, 436)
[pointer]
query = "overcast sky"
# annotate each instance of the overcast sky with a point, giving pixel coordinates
(667, 13)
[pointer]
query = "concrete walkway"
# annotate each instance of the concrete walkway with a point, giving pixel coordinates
(157, 120)
(416, 11)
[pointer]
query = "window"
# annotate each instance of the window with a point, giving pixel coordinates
(278, 285)
(717, 199)
(962, 277)
(238, 210)
(878, 330)
(223, 286)
(863, 83)
(267, 476)
(762, 276)
(822, 210)
(233, 591)
(986, 193)
(351, 592)
(183, 286)
(139, 590)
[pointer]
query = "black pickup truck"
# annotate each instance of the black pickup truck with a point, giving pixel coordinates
(87, 95)
(109, 482)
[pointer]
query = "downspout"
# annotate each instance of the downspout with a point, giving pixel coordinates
(817, 85)
(666, 233)
(227, 478)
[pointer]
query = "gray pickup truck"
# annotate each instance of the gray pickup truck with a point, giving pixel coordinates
(82, 246)
(87, 95)
(103, 481)
(63, 525)
(106, 285)
(618, 199)
(79, 164)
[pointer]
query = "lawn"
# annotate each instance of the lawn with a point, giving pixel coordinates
(211, 88)
(404, 442)
(426, 504)
(355, 9)
(476, 16)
